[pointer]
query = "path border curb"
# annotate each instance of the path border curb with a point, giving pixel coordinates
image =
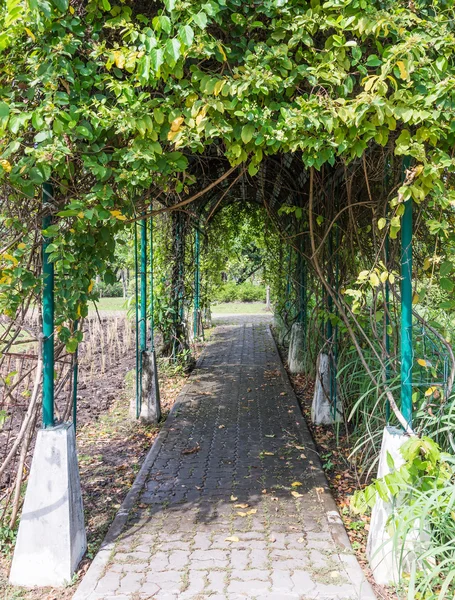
(334, 520)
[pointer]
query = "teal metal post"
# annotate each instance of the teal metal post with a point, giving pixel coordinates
(329, 296)
(75, 377)
(136, 297)
(48, 319)
(143, 328)
(406, 309)
(334, 373)
(152, 305)
(288, 281)
(196, 284)
(301, 283)
(387, 308)
(181, 273)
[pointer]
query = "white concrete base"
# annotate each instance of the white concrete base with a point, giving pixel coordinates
(199, 327)
(296, 354)
(208, 317)
(150, 406)
(322, 412)
(51, 540)
(281, 330)
(386, 564)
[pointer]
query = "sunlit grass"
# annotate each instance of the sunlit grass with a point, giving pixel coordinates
(108, 304)
(239, 308)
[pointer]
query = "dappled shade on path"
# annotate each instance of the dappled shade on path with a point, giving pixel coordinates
(235, 504)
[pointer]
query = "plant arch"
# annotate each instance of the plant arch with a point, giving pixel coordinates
(123, 106)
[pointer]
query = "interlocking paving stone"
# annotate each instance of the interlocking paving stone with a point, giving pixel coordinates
(236, 438)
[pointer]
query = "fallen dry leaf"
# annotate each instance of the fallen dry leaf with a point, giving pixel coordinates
(191, 450)
(242, 505)
(297, 495)
(253, 511)
(241, 514)
(296, 484)
(221, 426)
(269, 454)
(234, 498)
(232, 538)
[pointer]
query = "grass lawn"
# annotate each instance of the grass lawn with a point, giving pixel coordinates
(238, 308)
(108, 304)
(224, 308)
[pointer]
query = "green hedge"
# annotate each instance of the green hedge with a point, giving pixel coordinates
(245, 292)
(110, 290)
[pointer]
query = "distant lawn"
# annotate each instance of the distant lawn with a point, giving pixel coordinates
(238, 308)
(108, 304)
(224, 308)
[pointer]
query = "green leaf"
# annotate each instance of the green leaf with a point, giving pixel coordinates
(446, 268)
(186, 35)
(373, 61)
(156, 59)
(252, 169)
(42, 136)
(14, 124)
(247, 133)
(201, 19)
(238, 19)
(71, 345)
(173, 49)
(446, 284)
(165, 23)
(4, 110)
(61, 5)
(158, 115)
(390, 462)
(144, 68)
(68, 213)
(169, 4)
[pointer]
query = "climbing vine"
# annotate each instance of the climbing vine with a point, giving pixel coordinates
(113, 102)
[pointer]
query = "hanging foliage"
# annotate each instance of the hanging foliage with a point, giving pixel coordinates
(112, 101)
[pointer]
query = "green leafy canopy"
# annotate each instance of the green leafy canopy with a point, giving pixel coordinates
(109, 102)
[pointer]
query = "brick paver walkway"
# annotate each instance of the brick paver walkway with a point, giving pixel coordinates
(235, 505)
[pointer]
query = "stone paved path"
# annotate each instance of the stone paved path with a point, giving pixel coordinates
(218, 517)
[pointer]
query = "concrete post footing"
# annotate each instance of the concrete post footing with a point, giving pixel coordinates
(281, 330)
(388, 563)
(322, 411)
(51, 540)
(151, 405)
(199, 327)
(296, 349)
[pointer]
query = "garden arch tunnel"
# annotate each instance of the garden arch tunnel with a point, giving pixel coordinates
(325, 218)
(318, 214)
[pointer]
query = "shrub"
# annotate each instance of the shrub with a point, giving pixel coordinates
(248, 292)
(110, 290)
(244, 292)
